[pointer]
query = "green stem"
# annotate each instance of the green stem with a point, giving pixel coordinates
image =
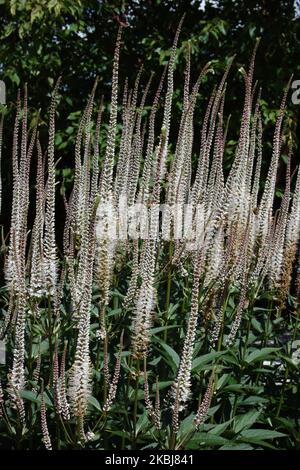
(135, 406)
(50, 338)
(173, 440)
(168, 293)
(220, 340)
(282, 391)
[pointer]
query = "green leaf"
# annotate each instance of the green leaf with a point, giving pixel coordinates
(186, 425)
(261, 434)
(233, 388)
(286, 423)
(153, 331)
(245, 421)
(94, 402)
(201, 361)
(256, 325)
(220, 428)
(223, 381)
(260, 354)
(42, 347)
(162, 385)
(231, 359)
(207, 439)
(243, 387)
(213, 410)
(253, 400)
(114, 312)
(171, 356)
(35, 397)
(236, 446)
(31, 396)
(141, 423)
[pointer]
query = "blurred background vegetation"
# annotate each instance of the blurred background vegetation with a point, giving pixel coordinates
(42, 39)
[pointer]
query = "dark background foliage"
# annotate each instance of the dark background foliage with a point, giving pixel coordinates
(41, 40)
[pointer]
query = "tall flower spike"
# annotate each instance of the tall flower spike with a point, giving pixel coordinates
(291, 243)
(111, 135)
(131, 292)
(255, 187)
(180, 171)
(37, 370)
(1, 400)
(197, 185)
(105, 362)
(205, 403)
(157, 421)
(219, 307)
(44, 425)
(65, 408)
(37, 273)
(182, 385)
(136, 154)
(207, 139)
(144, 193)
(114, 383)
(18, 287)
(10, 316)
(125, 140)
(56, 381)
(84, 202)
(266, 203)
(277, 259)
(123, 177)
(105, 242)
(75, 202)
(15, 216)
(84, 206)
(148, 403)
(24, 170)
(80, 374)
(238, 316)
(142, 320)
(168, 100)
(95, 177)
(18, 372)
(298, 282)
(154, 413)
(49, 241)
